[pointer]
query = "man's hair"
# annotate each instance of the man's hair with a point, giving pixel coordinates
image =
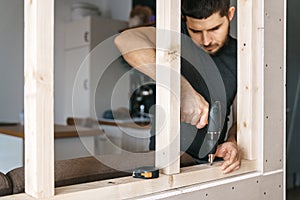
(202, 9)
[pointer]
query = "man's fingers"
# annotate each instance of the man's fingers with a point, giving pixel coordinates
(232, 163)
(227, 157)
(203, 120)
(220, 152)
(228, 160)
(195, 119)
(229, 152)
(233, 156)
(232, 167)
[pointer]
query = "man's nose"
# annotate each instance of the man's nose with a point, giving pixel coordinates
(206, 39)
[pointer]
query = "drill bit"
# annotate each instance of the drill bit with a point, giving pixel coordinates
(211, 159)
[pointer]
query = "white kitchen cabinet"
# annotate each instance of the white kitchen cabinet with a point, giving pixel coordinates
(73, 147)
(136, 139)
(11, 152)
(84, 62)
(122, 138)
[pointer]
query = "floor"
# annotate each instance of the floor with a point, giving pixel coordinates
(293, 194)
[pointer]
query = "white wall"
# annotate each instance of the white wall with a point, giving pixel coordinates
(116, 9)
(11, 48)
(120, 9)
(11, 57)
(11, 79)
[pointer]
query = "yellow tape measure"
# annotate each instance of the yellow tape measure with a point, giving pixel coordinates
(146, 172)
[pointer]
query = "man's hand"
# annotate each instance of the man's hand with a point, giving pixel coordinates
(231, 155)
(194, 108)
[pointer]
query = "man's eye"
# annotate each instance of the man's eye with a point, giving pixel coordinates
(195, 31)
(215, 28)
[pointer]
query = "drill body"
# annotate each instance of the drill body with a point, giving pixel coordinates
(214, 130)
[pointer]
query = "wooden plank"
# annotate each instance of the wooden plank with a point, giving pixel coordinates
(110, 122)
(38, 98)
(15, 130)
(250, 78)
(168, 86)
(22, 196)
(60, 131)
(258, 82)
(128, 187)
(244, 78)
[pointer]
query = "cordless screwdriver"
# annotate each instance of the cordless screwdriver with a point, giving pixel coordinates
(213, 130)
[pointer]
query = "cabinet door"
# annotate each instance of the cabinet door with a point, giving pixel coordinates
(77, 83)
(110, 143)
(11, 153)
(135, 140)
(74, 147)
(78, 33)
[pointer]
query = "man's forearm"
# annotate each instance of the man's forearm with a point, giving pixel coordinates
(232, 136)
(138, 49)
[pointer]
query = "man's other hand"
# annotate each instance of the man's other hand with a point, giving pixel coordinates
(230, 153)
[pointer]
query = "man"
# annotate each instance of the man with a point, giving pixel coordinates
(207, 22)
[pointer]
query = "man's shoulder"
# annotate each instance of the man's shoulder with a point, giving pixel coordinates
(232, 42)
(230, 47)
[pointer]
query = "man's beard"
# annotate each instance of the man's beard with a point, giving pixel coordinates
(220, 47)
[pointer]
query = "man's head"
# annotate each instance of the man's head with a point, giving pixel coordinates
(208, 22)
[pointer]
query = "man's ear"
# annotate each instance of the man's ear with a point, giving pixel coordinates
(231, 13)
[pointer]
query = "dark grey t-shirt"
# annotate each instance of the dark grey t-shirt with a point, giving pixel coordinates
(226, 62)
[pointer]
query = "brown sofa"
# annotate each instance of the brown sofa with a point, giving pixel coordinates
(5, 185)
(85, 169)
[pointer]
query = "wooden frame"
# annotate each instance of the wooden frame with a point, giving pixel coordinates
(38, 98)
(168, 86)
(250, 79)
(261, 120)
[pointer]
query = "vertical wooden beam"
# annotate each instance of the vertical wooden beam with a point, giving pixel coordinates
(38, 98)
(168, 86)
(250, 77)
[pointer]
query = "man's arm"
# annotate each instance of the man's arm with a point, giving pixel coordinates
(138, 48)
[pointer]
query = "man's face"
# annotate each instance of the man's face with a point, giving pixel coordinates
(210, 33)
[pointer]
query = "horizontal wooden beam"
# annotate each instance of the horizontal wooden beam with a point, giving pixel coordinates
(128, 187)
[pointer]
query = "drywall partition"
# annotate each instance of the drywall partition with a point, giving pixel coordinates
(261, 107)
(262, 173)
(275, 85)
